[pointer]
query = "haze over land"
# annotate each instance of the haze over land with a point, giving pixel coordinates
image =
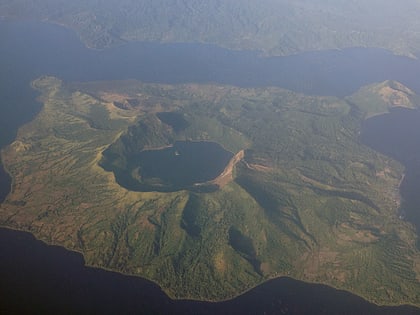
(277, 27)
(295, 192)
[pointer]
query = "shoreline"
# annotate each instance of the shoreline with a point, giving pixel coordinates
(189, 299)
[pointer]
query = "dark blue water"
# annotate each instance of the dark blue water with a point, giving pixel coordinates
(173, 119)
(41, 279)
(36, 278)
(174, 168)
(30, 49)
(397, 135)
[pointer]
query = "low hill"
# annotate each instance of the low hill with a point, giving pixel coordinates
(376, 99)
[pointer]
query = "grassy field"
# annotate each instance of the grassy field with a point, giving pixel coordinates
(307, 200)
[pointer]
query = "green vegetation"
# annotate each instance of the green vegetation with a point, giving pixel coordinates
(307, 200)
(378, 99)
(281, 27)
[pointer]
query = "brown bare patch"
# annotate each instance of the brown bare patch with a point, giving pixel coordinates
(349, 234)
(259, 167)
(144, 223)
(226, 177)
(417, 268)
(113, 97)
(220, 262)
(265, 268)
(395, 97)
(313, 263)
(20, 146)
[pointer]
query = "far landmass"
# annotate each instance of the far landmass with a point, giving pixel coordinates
(281, 27)
(295, 192)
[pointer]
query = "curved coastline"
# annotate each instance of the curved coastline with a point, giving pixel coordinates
(270, 296)
(227, 300)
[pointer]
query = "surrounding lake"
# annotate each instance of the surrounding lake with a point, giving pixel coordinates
(397, 135)
(51, 279)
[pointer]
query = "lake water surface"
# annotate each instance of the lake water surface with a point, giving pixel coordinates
(51, 279)
(397, 135)
(176, 167)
